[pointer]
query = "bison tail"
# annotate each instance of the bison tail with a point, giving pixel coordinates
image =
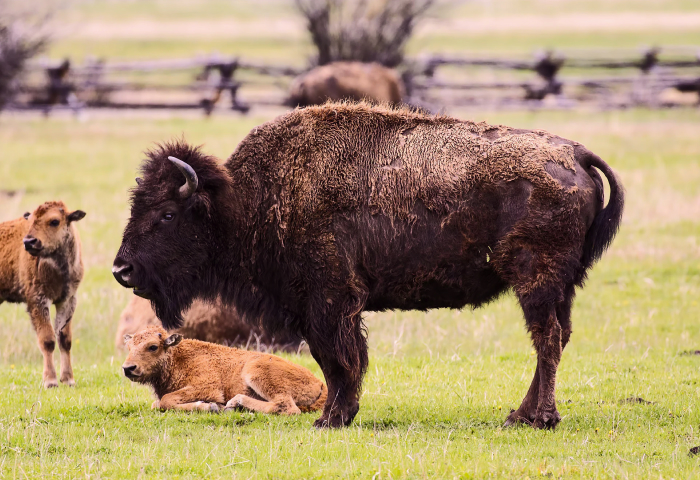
(606, 224)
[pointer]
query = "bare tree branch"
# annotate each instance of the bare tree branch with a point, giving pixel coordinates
(362, 30)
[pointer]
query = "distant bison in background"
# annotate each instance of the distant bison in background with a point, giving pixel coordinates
(194, 375)
(214, 323)
(40, 265)
(347, 81)
(326, 212)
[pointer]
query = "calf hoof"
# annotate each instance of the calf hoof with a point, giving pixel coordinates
(68, 382)
(51, 383)
(546, 420)
(233, 404)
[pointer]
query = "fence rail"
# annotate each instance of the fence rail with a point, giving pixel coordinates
(616, 80)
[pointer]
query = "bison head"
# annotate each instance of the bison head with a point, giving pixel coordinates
(50, 228)
(147, 350)
(170, 240)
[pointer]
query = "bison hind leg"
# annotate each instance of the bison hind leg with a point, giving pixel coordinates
(527, 411)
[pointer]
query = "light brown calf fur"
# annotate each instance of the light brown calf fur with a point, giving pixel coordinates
(216, 323)
(40, 264)
(195, 375)
(353, 81)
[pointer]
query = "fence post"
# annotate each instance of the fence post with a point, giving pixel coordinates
(547, 67)
(226, 82)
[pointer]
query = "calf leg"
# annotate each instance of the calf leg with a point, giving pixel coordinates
(341, 352)
(528, 408)
(190, 398)
(282, 404)
(41, 321)
(63, 325)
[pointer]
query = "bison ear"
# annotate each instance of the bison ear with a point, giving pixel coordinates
(127, 337)
(138, 181)
(75, 216)
(26, 215)
(173, 340)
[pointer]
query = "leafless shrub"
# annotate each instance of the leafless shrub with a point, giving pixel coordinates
(18, 43)
(362, 30)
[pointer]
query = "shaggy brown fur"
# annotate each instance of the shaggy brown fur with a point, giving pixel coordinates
(194, 375)
(329, 211)
(40, 264)
(347, 81)
(214, 323)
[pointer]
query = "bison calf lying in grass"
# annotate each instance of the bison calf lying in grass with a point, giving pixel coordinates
(195, 375)
(216, 323)
(40, 264)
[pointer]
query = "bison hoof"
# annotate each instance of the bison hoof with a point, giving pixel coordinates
(213, 407)
(51, 383)
(335, 421)
(68, 382)
(517, 417)
(546, 420)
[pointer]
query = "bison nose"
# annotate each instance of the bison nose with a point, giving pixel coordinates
(122, 273)
(31, 243)
(128, 369)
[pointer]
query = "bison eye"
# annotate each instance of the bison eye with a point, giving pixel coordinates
(168, 217)
(153, 348)
(54, 223)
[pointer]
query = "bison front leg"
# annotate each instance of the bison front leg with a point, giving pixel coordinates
(189, 399)
(341, 352)
(41, 321)
(63, 325)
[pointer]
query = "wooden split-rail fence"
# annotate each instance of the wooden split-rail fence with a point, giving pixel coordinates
(610, 79)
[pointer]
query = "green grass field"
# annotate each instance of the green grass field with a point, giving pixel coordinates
(439, 384)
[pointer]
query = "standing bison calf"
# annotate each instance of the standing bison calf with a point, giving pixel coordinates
(329, 211)
(194, 375)
(40, 265)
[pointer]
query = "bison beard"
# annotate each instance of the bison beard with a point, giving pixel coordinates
(329, 211)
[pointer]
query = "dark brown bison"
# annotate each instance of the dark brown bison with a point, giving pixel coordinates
(41, 265)
(329, 211)
(347, 81)
(216, 323)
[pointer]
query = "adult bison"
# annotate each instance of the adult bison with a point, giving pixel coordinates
(347, 81)
(329, 211)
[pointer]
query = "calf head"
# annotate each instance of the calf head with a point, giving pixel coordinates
(148, 349)
(50, 229)
(172, 235)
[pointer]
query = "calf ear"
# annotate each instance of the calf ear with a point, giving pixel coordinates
(127, 337)
(75, 216)
(172, 340)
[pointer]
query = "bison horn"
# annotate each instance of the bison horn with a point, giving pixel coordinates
(190, 186)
